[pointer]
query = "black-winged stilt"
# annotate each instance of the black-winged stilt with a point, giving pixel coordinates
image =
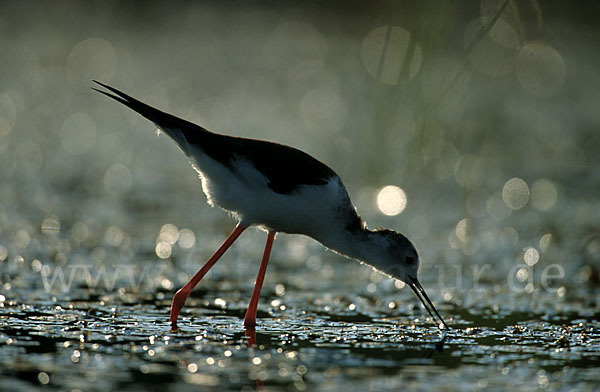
(280, 189)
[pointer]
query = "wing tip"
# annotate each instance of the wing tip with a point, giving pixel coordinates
(113, 96)
(100, 83)
(157, 116)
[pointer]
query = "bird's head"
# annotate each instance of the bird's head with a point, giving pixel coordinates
(396, 256)
(399, 259)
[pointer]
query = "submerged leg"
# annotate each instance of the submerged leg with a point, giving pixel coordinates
(181, 295)
(250, 319)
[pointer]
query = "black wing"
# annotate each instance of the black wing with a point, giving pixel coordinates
(285, 167)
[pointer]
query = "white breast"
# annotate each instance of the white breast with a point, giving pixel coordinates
(244, 191)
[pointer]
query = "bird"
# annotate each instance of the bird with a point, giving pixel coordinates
(279, 189)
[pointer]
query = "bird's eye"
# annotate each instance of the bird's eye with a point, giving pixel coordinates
(410, 260)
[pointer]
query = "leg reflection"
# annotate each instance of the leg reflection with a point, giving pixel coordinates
(252, 344)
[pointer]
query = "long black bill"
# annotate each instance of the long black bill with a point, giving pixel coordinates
(422, 295)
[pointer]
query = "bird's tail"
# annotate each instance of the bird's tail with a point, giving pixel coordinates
(177, 128)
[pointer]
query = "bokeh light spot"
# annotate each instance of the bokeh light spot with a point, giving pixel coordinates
(163, 250)
(496, 208)
(545, 242)
(515, 193)
(114, 236)
(504, 35)
(187, 239)
(531, 256)
(80, 231)
(522, 275)
(441, 157)
(92, 58)
(36, 265)
(494, 54)
(323, 110)
(391, 200)
(461, 230)
(78, 133)
(469, 171)
(540, 69)
(50, 225)
(168, 233)
(167, 285)
(21, 239)
(118, 180)
(8, 114)
(43, 378)
(543, 194)
(192, 368)
(388, 54)
(293, 41)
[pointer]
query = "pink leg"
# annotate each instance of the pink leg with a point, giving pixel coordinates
(250, 319)
(183, 293)
(250, 337)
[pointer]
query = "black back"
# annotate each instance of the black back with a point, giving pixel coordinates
(285, 167)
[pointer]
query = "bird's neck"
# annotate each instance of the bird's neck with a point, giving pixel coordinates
(360, 244)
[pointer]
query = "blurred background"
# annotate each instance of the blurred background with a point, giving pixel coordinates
(472, 127)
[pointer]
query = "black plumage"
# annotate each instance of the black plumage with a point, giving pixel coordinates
(285, 167)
